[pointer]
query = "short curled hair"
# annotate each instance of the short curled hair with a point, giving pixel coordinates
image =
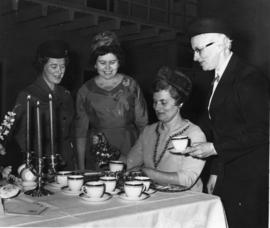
(41, 61)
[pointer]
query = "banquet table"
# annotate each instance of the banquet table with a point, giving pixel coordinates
(185, 209)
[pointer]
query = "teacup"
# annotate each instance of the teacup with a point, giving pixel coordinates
(133, 189)
(110, 183)
(180, 143)
(94, 189)
(61, 177)
(116, 166)
(75, 182)
(145, 180)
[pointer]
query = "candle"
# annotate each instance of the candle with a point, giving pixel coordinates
(28, 124)
(51, 124)
(39, 146)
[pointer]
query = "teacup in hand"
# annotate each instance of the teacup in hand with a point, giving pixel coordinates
(116, 166)
(146, 181)
(180, 143)
(133, 189)
(75, 182)
(61, 177)
(94, 189)
(110, 183)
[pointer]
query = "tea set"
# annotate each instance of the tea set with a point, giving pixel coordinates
(180, 143)
(104, 185)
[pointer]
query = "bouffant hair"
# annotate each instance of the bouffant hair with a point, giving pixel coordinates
(177, 83)
(104, 43)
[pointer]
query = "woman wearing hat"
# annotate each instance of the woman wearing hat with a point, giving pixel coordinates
(151, 153)
(237, 122)
(110, 104)
(51, 62)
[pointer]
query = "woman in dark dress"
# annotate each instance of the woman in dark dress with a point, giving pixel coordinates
(51, 61)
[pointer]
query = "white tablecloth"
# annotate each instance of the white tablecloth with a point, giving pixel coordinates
(182, 210)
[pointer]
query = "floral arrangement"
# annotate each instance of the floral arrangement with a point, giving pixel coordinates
(104, 151)
(8, 121)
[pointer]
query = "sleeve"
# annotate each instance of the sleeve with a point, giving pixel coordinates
(191, 169)
(252, 99)
(20, 121)
(81, 119)
(135, 155)
(141, 112)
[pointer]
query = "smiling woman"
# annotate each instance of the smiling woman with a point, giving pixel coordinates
(111, 104)
(51, 61)
(154, 152)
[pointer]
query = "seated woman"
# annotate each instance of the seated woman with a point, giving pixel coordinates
(151, 152)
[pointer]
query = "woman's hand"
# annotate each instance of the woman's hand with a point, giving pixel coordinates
(149, 172)
(201, 150)
(211, 183)
(6, 172)
(2, 149)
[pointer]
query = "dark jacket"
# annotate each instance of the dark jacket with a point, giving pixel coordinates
(239, 127)
(63, 114)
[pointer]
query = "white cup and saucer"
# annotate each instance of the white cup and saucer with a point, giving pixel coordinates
(116, 166)
(180, 143)
(74, 184)
(60, 180)
(94, 191)
(110, 184)
(133, 191)
(146, 181)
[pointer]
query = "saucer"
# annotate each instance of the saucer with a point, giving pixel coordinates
(142, 197)
(150, 191)
(116, 191)
(54, 185)
(176, 152)
(87, 198)
(66, 190)
(28, 186)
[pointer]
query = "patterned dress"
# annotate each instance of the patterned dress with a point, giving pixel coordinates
(120, 114)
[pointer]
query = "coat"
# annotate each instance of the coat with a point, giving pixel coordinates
(63, 114)
(239, 128)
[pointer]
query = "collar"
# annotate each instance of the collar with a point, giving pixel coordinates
(223, 66)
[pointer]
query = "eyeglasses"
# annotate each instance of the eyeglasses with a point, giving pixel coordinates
(200, 50)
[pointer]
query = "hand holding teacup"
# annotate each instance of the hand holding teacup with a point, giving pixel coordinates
(201, 150)
(180, 144)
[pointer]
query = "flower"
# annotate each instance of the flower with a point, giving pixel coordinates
(7, 123)
(104, 151)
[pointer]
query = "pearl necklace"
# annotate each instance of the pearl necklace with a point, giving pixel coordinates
(155, 160)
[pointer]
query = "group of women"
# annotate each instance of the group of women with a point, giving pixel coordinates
(110, 104)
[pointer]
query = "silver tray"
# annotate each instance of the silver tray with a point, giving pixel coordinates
(170, 188)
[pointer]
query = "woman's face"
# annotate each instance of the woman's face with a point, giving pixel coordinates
(54, 71)
(107, 66)
(164, 105)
